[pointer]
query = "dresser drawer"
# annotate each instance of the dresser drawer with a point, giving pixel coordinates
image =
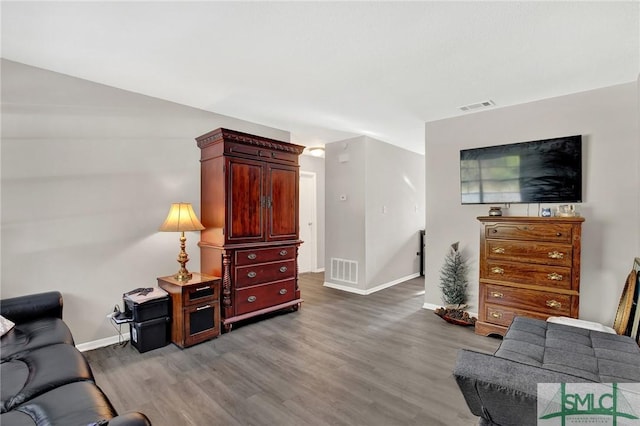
(531, 300)
(503, 315)
(262, 296)
(251, 257)
(556, 277)
(558, 232)
(202, 293)
(530, 252)
(246, 276)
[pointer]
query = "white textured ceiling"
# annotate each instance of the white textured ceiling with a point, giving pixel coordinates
(330, 70)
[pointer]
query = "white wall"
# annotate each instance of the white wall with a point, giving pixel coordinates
(378, 223)
(88, 174)
(394, 212)
(608, 120)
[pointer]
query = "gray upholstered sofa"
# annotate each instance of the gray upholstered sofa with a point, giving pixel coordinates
(501, 388)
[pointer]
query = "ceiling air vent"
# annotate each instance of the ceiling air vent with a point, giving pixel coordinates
(479, 105)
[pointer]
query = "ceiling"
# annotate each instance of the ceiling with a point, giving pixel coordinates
(326, 71)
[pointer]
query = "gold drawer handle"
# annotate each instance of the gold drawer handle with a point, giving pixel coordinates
(555, 255)
(203, 288)
(498, 250)
(554, 304)
(497, 295)
(252, 256)
(283, 252)
(283, 269)
(496, 314)
(497, 270)
(252, 274)
(283, 291)
(554, 277)
(251, 299)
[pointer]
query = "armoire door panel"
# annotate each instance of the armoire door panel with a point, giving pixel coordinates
(283, 195)
(245, 221)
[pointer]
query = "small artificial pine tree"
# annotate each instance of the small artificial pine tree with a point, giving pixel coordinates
(453, 278)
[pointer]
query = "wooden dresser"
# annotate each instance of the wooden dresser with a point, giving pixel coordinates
(249, 207)
(529, 266)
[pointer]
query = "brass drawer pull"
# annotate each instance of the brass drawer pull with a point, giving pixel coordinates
(203, 288)
(498, 250)
(554, 304)
(554, 277)
(252, 274)
(252, 256)
(497, 270)
(496, 315)
(555, 255)
(283, 291)
(283, 252)
(283, 269)
(251, 299)
(497, 295)
(203, 307)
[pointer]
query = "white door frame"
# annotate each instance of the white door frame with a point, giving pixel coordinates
(312, 199)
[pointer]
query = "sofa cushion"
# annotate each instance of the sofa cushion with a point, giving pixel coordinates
(79, 403)
(31, 373)
(34, 334)
(588, 354)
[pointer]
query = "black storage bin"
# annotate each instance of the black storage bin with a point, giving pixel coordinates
(152, 334)
(151, 309)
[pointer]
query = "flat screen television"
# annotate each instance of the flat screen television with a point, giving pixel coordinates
(543, 171)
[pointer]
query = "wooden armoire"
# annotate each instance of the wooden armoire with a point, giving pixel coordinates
(249, 208)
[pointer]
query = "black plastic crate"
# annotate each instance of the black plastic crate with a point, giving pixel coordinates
(151, 309)
(149, 335)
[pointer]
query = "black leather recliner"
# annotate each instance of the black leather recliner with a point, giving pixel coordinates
(45, 379)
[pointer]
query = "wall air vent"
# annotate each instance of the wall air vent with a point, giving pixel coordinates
(479, 105)
(344, 270)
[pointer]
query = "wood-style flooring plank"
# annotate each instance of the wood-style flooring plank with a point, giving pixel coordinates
(342, 359)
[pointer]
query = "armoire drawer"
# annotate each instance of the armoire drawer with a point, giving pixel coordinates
(503, 315)
(557, 277)
(259, 153)
(250, 275)
(530, 300)
(530, 252)
(261, 296)
(251, 257)
(558, 232)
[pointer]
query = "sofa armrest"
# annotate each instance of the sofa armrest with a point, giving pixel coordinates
(501, 391)
(130, 419)
(31, 307)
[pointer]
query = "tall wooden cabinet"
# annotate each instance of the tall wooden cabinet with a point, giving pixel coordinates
(529, 266)
(249, 208)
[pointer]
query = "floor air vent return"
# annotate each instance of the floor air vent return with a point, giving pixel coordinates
(344, 270)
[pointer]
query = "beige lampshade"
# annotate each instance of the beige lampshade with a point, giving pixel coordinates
(181, 218)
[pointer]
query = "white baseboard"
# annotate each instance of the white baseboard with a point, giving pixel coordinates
(101, 343)
(317, 270)
(370, 290)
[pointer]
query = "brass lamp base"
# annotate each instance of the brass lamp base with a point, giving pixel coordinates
(183, 258)
(180, 276)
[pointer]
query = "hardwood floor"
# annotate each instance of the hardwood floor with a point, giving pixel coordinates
(343, 359)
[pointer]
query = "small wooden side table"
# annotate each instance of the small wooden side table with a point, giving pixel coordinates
(195, 308)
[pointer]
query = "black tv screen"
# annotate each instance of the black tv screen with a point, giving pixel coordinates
(544, 171)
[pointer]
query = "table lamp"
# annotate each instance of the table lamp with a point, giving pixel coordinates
(182, 218)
